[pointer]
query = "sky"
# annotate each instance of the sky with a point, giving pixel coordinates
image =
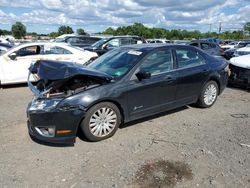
(45, 16)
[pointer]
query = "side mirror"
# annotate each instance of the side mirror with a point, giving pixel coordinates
(105, 46)
(12, 56)
(143, 75)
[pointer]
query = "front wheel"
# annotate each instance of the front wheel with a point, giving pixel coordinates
(101, 121)
(208, 95)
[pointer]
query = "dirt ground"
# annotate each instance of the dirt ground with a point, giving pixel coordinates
(187, 147)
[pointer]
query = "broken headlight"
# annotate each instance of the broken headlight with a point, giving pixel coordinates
(46, 105)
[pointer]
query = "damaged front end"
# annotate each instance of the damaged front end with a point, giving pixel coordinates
(239, 76)
(62, 79)
(47, 119)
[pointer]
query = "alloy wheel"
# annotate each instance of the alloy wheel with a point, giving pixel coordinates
(102, 122)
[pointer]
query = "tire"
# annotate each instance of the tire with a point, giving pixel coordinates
(208, 94)
(101, 121)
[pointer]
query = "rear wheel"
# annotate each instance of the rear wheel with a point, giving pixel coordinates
(208, 95)
(101, 121)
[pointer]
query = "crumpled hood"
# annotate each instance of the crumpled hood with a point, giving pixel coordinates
(55, 70)
(241, 61)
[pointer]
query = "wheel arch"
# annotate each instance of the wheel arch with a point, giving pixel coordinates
(215, 79)
(119, 106)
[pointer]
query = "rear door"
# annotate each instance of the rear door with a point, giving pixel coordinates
(192, 72)
(157, 93)
(54, 52)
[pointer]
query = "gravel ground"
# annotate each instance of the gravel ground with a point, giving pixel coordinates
(187, 147)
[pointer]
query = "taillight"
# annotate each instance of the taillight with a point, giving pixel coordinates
(221, 51)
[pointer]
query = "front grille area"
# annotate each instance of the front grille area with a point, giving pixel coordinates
(239, 73)
(243, 52)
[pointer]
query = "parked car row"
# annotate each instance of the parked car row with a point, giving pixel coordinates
(4, 47)
(78, 40)
(209, 47)
(109, 43)
(235, 49)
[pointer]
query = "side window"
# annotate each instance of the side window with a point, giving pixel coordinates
(158, 41)
(113, 43)
(92, 40)
(212, 45)
(55, 50)
(125, 41)
(136, 41)
(75, 40)
(188, 58)
(157, 62)
(205, 46)
(30, 50)
(195, 44)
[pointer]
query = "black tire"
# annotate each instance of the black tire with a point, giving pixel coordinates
(95, 111)
(202, 102)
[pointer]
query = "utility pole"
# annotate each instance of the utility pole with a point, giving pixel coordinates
(219, 27)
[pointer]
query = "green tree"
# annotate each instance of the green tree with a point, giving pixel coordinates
(109, 31)
(81, 31)
(53, 34)
(1, 32)
(65, 30)
(18, 30)
(247, 27)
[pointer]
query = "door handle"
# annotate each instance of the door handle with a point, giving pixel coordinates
(169, 78)
(205, 70)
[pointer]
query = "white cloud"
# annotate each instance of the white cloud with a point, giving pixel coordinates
(181, 14)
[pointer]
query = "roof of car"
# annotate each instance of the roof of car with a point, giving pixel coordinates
(201, 40)
(150, 46)
(44, 43)
(124, 36)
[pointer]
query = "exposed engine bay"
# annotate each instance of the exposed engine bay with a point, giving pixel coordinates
(56, 78)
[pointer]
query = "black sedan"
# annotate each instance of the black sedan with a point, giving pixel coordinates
(125, 84)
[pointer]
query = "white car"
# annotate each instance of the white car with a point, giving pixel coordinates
(240, 70)
(14, 63)
(230, 45)
(242, 51)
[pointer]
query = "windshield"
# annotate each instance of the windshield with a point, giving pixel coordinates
(99, 43)
(116, 62)
(59, 40)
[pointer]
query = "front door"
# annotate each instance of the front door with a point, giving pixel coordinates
(15, 70)
(157, 93)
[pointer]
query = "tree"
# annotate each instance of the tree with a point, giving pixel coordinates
(109, 31)
(247, 27)
(18, 30)
(65, 30)
(53, 34)
(81, 31)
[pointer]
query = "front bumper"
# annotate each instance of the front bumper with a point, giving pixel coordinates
(60, 119)
(239, 76)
